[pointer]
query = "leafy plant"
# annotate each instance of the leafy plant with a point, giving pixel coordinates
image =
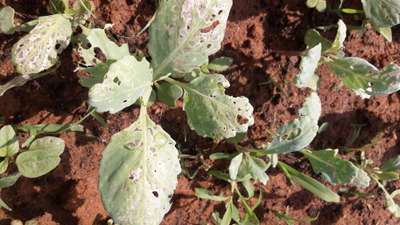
(356, 73)
(48, 36)
(38, 158)
(139, 169)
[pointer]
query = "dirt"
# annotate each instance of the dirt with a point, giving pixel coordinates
(265, 39)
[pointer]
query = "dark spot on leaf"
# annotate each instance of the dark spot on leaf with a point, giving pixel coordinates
(155, 193)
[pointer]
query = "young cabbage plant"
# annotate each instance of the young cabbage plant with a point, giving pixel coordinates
(356, 74)
(37, 158)
(48, 36)
(245, 170)
(139, 169)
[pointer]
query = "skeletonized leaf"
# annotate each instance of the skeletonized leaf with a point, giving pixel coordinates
(213, 114)
(126, 81)
(299, 133)
(9, 145)
(308, 66)
(98, 39)
(382, 13)
(138, 173)
(185, 33)
(7, 20)
(38, 50)
(364, 78)
(42, 157)
(337, 170)
(319, 5)
(309, 183)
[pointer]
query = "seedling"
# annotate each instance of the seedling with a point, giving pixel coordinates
(48, 36)
(356, 74)
(138, 172)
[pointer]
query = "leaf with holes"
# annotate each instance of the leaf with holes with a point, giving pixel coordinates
(7, 20)
(382, 13)
(38, 50)
(97, 39)
(308, 66)
(364, 78)
(212, 113)
(337, 170)
(138, 173)
(125, 82)
(42, 157)
(185, 33)
(299, 133)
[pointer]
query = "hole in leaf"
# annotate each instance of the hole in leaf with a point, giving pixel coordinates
(241, 120)
(155, 193)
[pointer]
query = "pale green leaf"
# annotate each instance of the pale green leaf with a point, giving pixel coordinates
(169, 93)
(50, 128)
(7, 20)
(391, 204)
(227, 218)
(3, 165)
(9, 145)
(309, 184)
(220, 64)
(234, 166)
(42, 157)
(299, 133)
(337, 170)
(138, 173)
(9, 181)
(212, 113)
(319, 5)
(185, 33)
(38, 50)
(386, 32)
(382, 13)
(98, 39)
(338, 43)
(256, 167)
(205, 194)
(364, 78)
(125, 82)
(4, 205)
(308, 66)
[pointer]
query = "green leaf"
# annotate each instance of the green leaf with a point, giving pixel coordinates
(9, 145)
(364, 78)
(4, 205)
(392, 164)
(220, 64)
(309, 184)
(249, 187)
(185, 33)
(319, 5)
(386, 32)
(138, 173)
(213, 114)
(227, 218)
(391, 204)
(169, 93)
(125, 82)
(7, 20)
(97, 74)
(382, 13)
(256, 167)
(313, 38)
(98, 39)
(205, 194)
(308, 66)
(58, 6)
(50, 128)
(299, 133)
(3, 165)
(43, 156)
(337, 170)
(338, 43)
(9, 181)
(234, 166)
(38, 50)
